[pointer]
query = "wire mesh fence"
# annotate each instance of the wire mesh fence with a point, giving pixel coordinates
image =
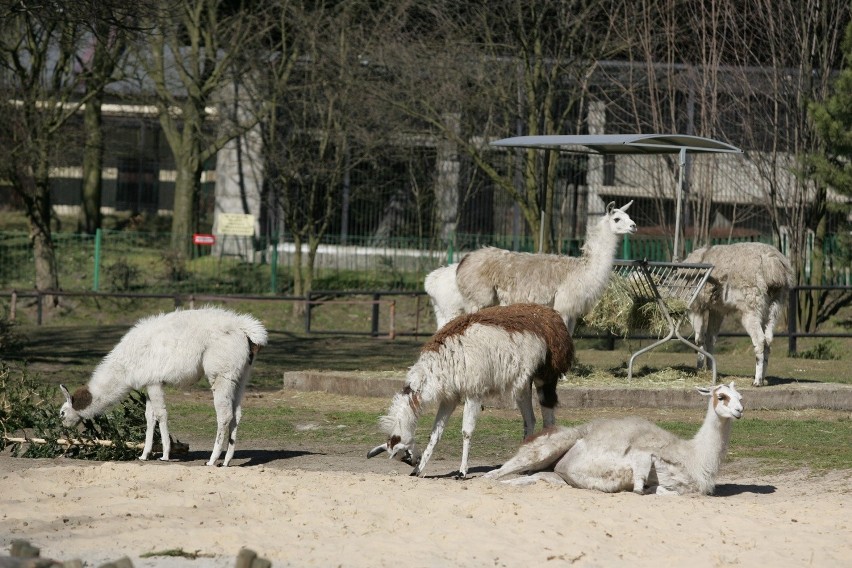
(127, 261)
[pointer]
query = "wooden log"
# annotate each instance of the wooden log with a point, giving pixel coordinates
(177, 447)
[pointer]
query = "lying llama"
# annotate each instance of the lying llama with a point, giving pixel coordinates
(632, 454)
(570, 285)
(494, 351)
(447, 302)
(177, 348)
(752, 279)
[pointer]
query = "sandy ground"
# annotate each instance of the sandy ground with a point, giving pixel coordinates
(335, 508)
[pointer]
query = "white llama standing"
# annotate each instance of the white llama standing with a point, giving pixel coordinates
(632, 454)
(176, 348)
(498, 350)
(570, 285)
(751, 279)
(440, 285)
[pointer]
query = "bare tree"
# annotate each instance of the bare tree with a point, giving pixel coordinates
(786, 65)
(320, 124)
(41, 92)
(189, 55)
(476, 72)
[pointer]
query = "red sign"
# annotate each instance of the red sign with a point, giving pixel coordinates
(203, 239)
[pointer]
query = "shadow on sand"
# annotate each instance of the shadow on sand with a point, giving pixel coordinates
(252, 457)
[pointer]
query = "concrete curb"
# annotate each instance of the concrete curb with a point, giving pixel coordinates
(778, 397)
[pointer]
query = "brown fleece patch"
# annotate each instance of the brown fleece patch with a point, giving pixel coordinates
(517, 318)
(254, 349)
(81, 398)
(413, 398)
(392, 441)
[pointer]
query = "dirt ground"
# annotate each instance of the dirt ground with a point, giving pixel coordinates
(330, 506)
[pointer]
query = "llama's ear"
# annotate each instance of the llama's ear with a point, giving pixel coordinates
(705, 391)
(625, 206)
(609, 207)
(377, 450)
(733, 386)
(66, 393)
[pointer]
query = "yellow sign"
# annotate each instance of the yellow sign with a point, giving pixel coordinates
(235, 224)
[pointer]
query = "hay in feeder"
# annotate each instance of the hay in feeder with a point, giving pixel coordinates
(621, 311)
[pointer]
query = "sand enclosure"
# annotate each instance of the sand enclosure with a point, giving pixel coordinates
(346, 511)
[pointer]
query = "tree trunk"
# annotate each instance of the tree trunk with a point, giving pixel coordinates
(93, 154)
(39, 215)
(187, 182)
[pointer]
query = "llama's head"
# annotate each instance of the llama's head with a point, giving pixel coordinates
(725, 400)
(400, 424)
(618, 220)
(69, 412)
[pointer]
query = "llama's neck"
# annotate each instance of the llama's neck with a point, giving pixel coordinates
(107, 387)
(709, 447)
(600, 246)
(404, 412)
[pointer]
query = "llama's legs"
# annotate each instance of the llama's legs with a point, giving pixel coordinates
(232, 436)
(238, 414)
(547, 401)
(546, 476)
(754, 328)
(571, 323)
(472, 408)
(525, 405)
(769, 332)
(696, 319)
(224, 392)
(445, 409)
(155, 411)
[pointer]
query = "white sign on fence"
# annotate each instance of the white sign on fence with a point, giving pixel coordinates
(235, 224)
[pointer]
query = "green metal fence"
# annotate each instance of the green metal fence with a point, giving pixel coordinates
(122, 261)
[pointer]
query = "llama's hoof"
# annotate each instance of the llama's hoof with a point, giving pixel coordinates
(143, 458)
(461, 475)
(165, 459)
(757, 383)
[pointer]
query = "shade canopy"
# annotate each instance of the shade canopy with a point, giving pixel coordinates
(630, 144)
(621, 143)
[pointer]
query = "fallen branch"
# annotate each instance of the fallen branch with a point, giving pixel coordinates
(177, 447)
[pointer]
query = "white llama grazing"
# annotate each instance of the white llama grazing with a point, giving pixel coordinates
(176, 348)
(570, 285)
(752, 279)
(494, 351)
(447, 302)
(632, 454)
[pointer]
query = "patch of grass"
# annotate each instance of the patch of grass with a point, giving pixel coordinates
(781, 440)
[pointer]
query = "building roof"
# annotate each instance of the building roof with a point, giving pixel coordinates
(621, 143)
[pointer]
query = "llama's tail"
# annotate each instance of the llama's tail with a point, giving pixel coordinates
(540, 452)
(253, 329)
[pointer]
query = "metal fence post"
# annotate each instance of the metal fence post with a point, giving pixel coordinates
(792, 317)
(273, 267)
(375, 326)
(96, 277)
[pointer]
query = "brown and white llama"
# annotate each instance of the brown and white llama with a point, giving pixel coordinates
(497, 350)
